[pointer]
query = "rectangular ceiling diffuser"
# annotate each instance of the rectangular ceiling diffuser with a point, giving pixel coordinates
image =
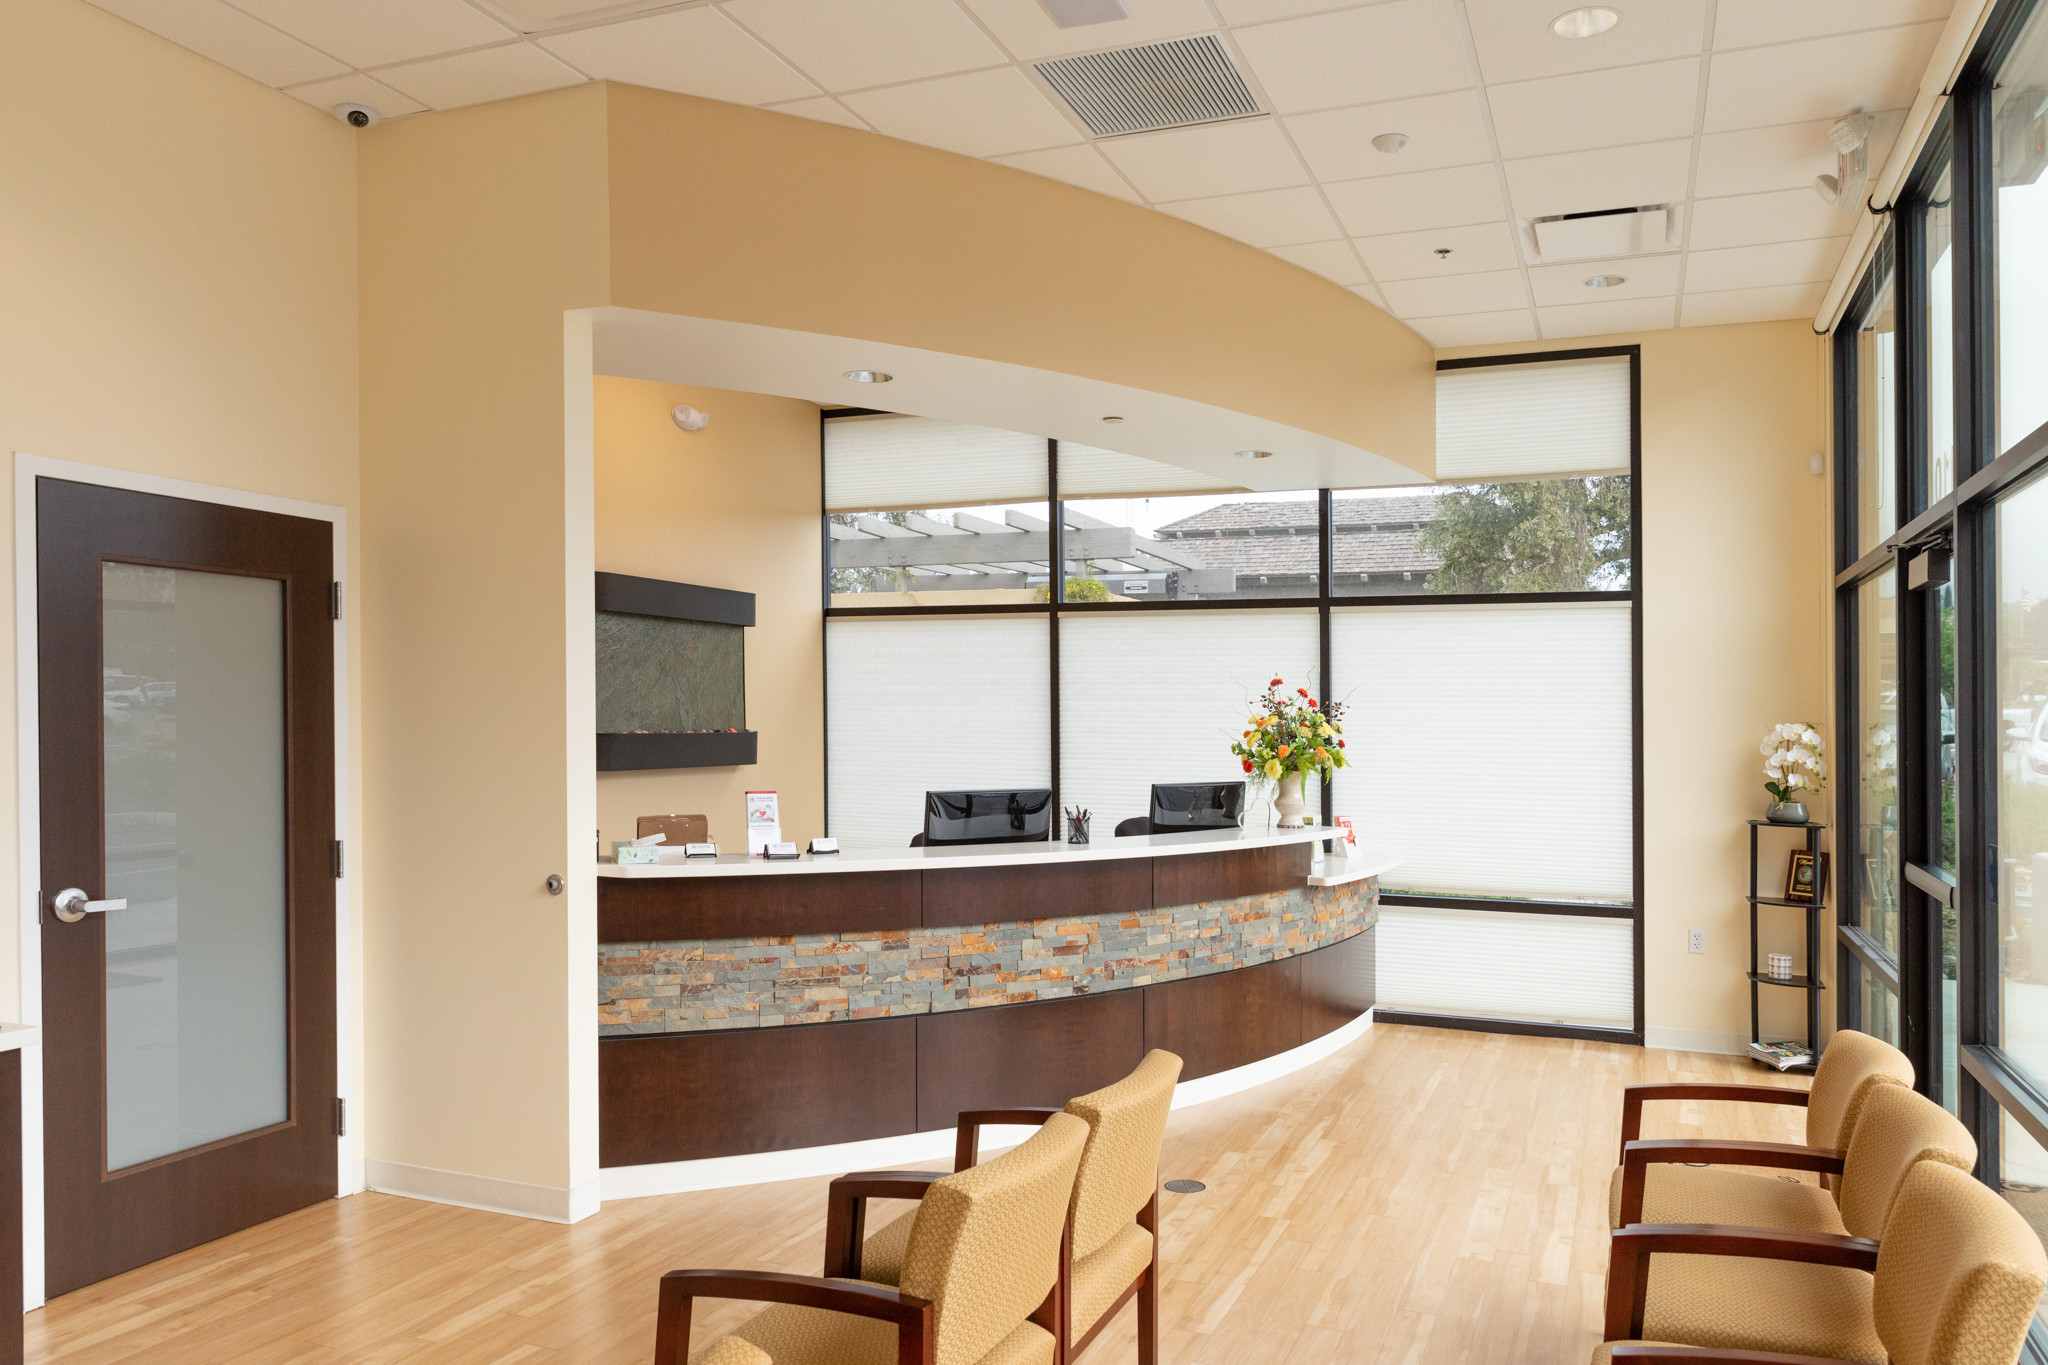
(1161, 85)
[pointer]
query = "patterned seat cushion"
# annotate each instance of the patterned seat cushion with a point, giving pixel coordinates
(1691, 1194)
(1747, 1304)
(1105, 1273)
(788, 1335)
(881, 1255)
(1603, 1354)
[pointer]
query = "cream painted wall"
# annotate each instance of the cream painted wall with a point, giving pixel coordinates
(178, 260)
(732, 506)
(1734, 640)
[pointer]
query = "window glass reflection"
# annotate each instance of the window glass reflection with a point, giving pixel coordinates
(1877, 673)
(2022, 838)
(1941, 423)
(1877, 436)
(1880, 1017)
(2020, 151)
(2023, 1180)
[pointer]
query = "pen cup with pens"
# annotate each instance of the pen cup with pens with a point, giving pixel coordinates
(1077, 824)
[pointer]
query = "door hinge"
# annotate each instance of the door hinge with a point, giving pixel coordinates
(340, 861)
(334, 600)
(340, 1117)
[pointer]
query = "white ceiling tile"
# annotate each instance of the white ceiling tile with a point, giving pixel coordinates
(537, 16)
(1382, 52)
(1476, 329)
(374, 32)
(1752, 305)
(876, 42)
(1596, 319)
(1195, 163)
(1082, 166)
(1028, 31)
(1442, 130)
(1486, 293)
(1411, 203)
(1515, 41)
(1371, 296)
(1334, 261)
(1746, 267)
(356, 88)
(1821, 79)
(1751, 23)
(1782, 158)
(1265, 219)
(692, 52)
(823, 111)
(982, 113)
(1413, 255)
(1578, 112)
(495, 73)
(1586, 182)
(1751, 219)
(1644, 277)
(229, 37)
(1265, 11)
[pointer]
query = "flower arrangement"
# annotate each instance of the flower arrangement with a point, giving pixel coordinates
(1792, 761)
(1291, 736)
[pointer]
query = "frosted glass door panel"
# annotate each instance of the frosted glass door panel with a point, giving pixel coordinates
(194, 730)
(1161, 698)
(1491, 747)
(931, 704)
(1487, 964)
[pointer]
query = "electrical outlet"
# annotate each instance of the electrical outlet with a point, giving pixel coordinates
(1698, 943)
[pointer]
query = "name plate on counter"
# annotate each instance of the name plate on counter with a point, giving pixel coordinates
(700, 850)
(781, 850)
(824, 846)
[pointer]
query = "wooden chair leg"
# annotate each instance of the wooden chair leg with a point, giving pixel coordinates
(1148, 1289)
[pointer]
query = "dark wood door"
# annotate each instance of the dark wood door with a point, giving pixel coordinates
(186, 713)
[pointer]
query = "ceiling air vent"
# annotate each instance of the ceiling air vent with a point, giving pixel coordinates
(1160, 85)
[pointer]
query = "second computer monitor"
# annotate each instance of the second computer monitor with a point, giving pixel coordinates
(1196, 805)
(990, 817)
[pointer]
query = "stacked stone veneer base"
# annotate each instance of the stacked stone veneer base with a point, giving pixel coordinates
(733, 983)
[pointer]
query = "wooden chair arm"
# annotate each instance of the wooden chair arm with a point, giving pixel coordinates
(1638, 1156)
(912, 1316)
(966, 1145)
(846, 1212)
(1711, 1355)
(1633, 1097)
(1628, 1279)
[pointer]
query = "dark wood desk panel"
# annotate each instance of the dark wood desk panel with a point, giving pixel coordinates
(651, 909)
(1011, 1056)
(1193, 877)
(10, 1208)
(684, 1096)
(1336, 985)
(988, 895)
(1227, 1019)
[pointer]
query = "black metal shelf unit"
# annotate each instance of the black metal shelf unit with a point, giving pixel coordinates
(1810, 983)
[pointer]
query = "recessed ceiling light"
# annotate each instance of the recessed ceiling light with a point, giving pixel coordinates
(1605, 281)
(1590, 22)
(1112, 419)
(1390, 142)
(869, 376)
(1254, 454)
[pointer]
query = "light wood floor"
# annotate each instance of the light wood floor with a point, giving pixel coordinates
(1422, 1196)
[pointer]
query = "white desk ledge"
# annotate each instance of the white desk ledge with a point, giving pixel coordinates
(1339, 871)
(16, 1036)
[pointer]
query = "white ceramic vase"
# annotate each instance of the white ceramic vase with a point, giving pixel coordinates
(1287, 800)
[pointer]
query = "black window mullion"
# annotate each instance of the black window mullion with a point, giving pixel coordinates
(1920, 834)
(1848, 435)
(1326, 587)
(1979, 876)
(1975, 313)
(1909, 235)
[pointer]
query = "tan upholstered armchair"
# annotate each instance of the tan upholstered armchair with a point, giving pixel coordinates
(1955, 1282)
(978, 1285)
(1115, 1217)
(1851, 1066)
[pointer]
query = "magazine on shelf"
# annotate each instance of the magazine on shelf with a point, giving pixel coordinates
(1782, 1055)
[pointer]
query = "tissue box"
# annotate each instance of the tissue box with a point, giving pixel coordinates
(626, 854)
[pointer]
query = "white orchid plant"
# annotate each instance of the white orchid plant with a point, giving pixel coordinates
(1881, 759)
(1792, 760)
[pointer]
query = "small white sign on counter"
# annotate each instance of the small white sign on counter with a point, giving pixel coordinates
(764, 822)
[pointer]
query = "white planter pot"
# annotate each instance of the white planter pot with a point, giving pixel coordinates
(1287, 800)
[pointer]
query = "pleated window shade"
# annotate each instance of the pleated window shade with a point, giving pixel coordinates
(1088, 472)
(886, 464)
(1161, 697)
(1542, 420)
(931, 704)
(1491, 747)
(1485, 964)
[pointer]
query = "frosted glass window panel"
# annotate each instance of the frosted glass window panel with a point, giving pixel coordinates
(1090, 472)
(898, 463)
(1491, 747)
(1941, 352)
(1486, 964)
(1161, 697)
(1877, 472)
(931, 704)
(1538, 420)
(193, 721)
(2020, 122)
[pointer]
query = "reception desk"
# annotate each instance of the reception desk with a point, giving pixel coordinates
(749, 1006)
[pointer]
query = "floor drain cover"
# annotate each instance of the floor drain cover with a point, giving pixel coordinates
(1186, 1186)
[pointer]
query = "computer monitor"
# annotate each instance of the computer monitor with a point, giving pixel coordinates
(1196, 805)
(1021, 816)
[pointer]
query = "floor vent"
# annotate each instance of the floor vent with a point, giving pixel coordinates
(1161, 85)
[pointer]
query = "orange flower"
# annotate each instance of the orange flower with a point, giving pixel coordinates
(1285, 750)
(1247, 734)
(1322, 754)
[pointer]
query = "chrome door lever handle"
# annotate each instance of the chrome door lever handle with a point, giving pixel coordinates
(72, 905)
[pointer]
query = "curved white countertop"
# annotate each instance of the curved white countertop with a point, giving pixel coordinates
(1004, 855)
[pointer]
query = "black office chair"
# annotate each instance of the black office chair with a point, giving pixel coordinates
(917, 841)
(1137, 824)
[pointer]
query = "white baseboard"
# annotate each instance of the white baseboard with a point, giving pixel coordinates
(1696, 1040)
(550, 1203)
(717, 1173)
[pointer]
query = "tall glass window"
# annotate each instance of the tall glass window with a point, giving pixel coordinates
(1941, 343)
(2023, 778)
(1878, 867)
(2020, 153)
(1877, 417)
